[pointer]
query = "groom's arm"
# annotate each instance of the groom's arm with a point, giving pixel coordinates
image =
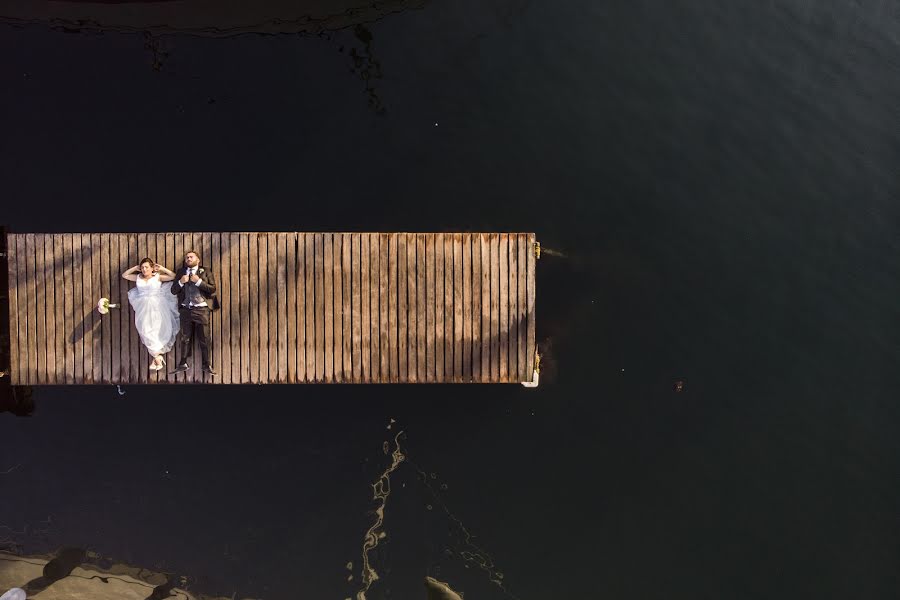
(176, 286)
(207, 283)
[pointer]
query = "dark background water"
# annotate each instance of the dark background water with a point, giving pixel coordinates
(723, 183)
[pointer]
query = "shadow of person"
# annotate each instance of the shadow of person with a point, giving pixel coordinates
(65, 562)
(81, 328)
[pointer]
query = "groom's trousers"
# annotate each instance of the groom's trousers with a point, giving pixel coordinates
(194, 321)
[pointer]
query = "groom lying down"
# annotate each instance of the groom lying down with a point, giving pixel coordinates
(196, 291)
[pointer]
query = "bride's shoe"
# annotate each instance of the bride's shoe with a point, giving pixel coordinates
(156, 365)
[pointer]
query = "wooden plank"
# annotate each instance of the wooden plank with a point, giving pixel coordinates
(467, 306)
(495, 307)
(512, 329)
(356, 306)
(457, 308)
(475, 240)
(449, 312)
(220, 342)
(316, 302)
(402, 310)
(287, 247)
(26, 305)
(268, 272)
(504, 306)
(112, 290)
(238, 287)
(16, 334)
(328, 306)
(229, 282)
(337, 323)
(37, 352)
(50, 273)
(412, 325)
(383, 301)
(65, 357)
(80, 306)
(346, 311)
(439, 329)
(484, 243)
(530, 347)
(125, 320)
(18, 259)
(274, 300)
(213, 256)
(420, 307)
(262, 306)
(373, 277)
(366, 309)
(115, 314)
(86, 306)
(97, 290)
(520, 307)
(299, 283)
(375, 301)
(252, 314)
(106, 321)
(306, 356)
(24, 327)
(429, 307)
(36, 355)
(319, 258)
(393, 357)
(45, 284)
(278, 256)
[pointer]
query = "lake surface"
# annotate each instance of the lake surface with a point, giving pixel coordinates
(717, 193)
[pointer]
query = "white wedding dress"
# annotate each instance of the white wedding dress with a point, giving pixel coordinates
(155, 314)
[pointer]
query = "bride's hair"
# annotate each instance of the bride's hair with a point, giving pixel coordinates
(148, 260)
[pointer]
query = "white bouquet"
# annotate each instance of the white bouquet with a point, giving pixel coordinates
(103, 306)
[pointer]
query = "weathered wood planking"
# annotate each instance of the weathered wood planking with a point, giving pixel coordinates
(295, 307)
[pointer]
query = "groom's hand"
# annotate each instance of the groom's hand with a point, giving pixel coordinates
(195, 278)
(184, 279)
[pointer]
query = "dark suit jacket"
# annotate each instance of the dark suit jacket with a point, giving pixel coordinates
(207, 286)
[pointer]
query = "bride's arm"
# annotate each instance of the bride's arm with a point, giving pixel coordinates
(131, 274)
(166, 274)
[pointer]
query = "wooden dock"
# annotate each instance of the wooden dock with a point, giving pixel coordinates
(295, 307)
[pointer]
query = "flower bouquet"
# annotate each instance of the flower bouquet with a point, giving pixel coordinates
(103, 306)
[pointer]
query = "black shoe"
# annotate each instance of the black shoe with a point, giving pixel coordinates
(180, 368)
(209, 369)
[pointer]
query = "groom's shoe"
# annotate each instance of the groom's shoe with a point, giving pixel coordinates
(181, 368)
(209, 369)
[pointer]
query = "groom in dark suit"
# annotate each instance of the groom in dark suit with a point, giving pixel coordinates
(196, 291)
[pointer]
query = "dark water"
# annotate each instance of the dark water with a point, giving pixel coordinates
(724, 186)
